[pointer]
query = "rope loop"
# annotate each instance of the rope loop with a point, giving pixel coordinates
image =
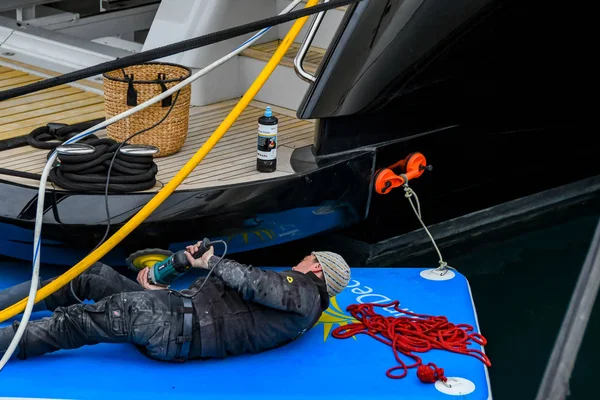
(413, 333)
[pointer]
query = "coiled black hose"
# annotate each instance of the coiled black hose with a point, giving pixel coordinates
(88, 172)
(53, 134)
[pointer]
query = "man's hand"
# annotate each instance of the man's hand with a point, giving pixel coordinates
(142, 279)
(193, 248)
(201, 262)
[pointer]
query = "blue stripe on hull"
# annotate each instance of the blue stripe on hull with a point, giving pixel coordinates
(262, 231)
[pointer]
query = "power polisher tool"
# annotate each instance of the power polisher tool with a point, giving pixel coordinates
(164, 265)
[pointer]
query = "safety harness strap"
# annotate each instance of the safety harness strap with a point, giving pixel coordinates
(185, 339)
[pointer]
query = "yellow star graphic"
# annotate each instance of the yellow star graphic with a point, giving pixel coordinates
(334, 315)
(269, 233)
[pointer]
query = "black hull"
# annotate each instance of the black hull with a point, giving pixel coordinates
(481, 88)
(475, 169)
(489, 78)
(249, 216)
(472, 171)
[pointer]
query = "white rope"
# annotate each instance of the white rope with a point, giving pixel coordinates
(410, 194)
(42, 188)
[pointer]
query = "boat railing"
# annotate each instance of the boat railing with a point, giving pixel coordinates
(310, 35)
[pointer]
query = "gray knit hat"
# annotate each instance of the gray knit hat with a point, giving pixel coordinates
(335, 270)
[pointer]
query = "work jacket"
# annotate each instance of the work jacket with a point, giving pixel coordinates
(243, 309)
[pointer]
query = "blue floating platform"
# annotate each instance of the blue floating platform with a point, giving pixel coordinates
(315, 366)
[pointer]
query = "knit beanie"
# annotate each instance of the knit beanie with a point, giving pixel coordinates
(335, 270)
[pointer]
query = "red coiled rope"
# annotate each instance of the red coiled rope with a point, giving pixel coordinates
(413, 333)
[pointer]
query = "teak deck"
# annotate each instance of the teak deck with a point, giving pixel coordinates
(232, 160)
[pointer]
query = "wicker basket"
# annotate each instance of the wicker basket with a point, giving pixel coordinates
(133, 85)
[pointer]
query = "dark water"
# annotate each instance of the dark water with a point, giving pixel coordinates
(522, 280)
(522, 288)
(522, 283)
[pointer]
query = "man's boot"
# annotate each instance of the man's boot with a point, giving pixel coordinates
(6, 336)
(16, 293)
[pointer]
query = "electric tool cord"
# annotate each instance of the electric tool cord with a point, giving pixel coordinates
(108, 217)
(26, 305)
(63, 131)
(209, 272)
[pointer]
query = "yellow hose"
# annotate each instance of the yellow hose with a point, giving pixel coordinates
(170, 187)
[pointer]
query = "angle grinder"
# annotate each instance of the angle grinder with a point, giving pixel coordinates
(164, 265)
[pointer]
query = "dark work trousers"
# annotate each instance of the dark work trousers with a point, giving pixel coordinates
(123, 312)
